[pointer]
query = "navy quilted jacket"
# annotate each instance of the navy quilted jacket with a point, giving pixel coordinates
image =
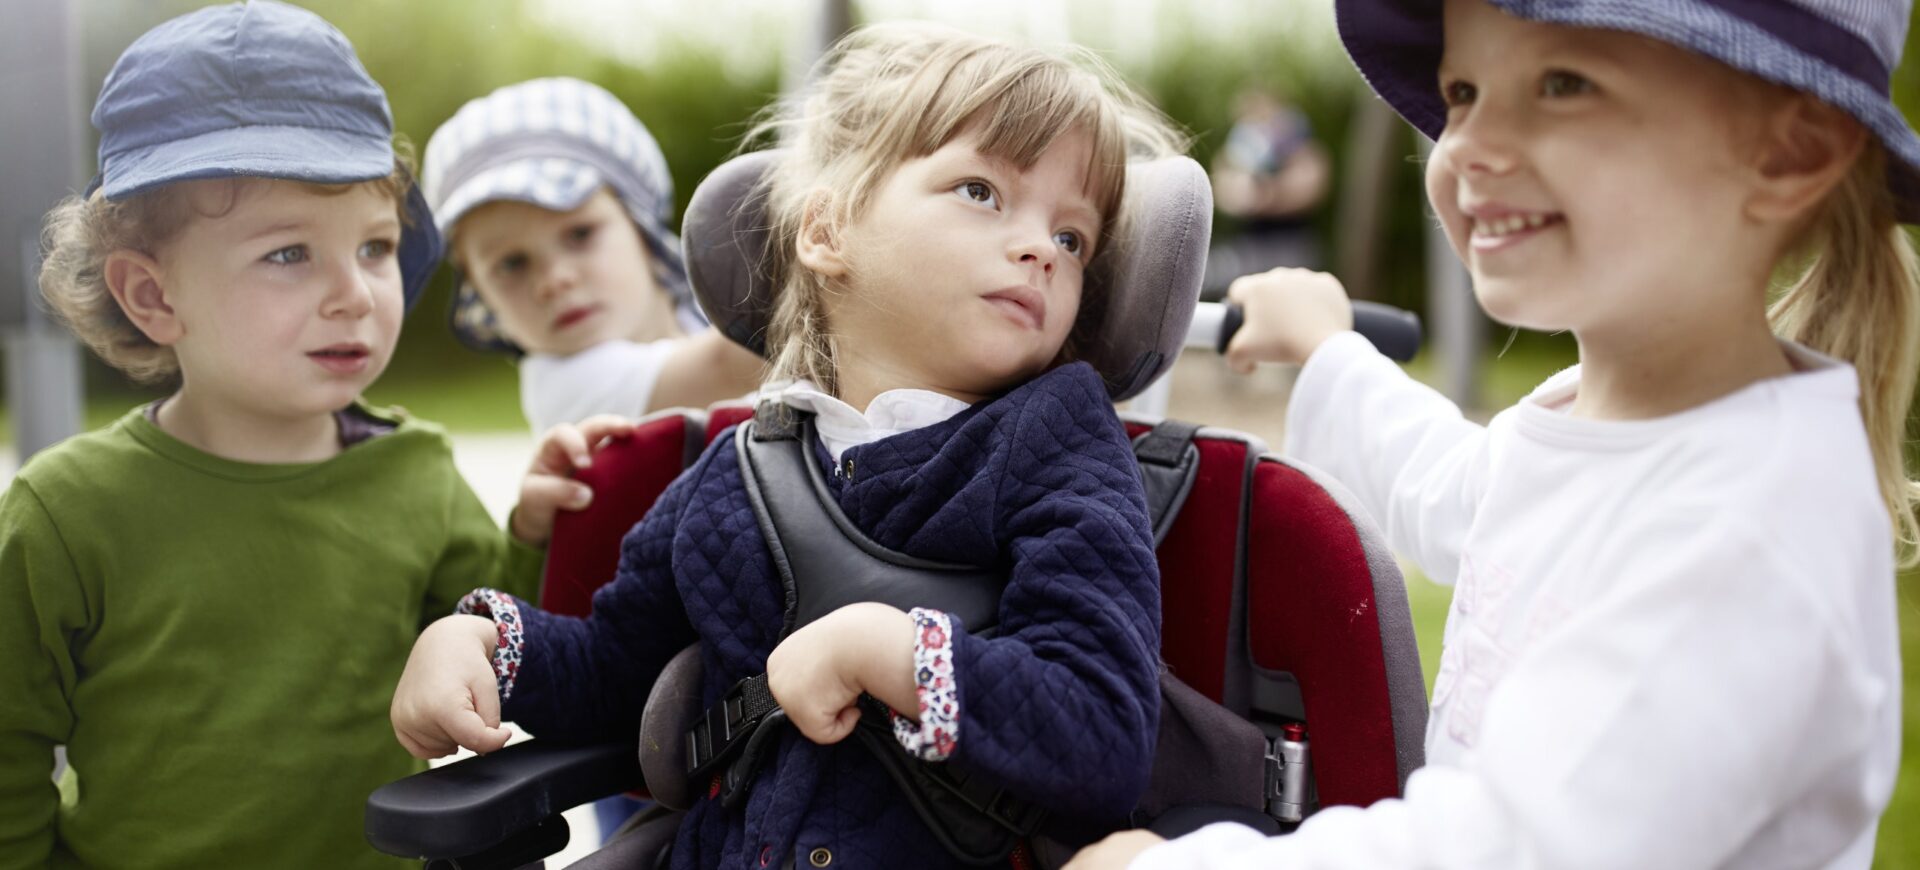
(1061, 707)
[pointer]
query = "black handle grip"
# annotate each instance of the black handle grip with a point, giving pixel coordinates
(1395, 332)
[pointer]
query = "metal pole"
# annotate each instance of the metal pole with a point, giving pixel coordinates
(39, 79)
(820, 24)
(1459, 328)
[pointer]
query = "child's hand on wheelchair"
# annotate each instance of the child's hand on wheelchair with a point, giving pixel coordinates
(448, 697)
(549, 486)
(1289, 312)
(819, 672)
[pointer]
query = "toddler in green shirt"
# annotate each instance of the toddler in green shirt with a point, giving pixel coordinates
(209, 602)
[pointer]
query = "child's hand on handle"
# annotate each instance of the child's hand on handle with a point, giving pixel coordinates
(549, 486)
(1289, 312)
(819, 672)
(448, 696)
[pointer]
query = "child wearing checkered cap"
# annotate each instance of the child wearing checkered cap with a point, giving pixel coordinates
(557, 202)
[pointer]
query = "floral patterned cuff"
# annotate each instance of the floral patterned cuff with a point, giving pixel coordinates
(505, 613)
(938, 731)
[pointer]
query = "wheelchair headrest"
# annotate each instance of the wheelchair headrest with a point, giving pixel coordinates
(1136, 305)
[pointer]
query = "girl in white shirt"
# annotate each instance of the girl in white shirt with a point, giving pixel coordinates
(1673, 638)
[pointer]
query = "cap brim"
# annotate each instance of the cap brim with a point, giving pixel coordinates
(1396, 45)
(552, 183)
(291, 153)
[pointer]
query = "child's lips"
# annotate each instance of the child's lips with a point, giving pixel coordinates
(1496, 229)
(344, 358)
(1023, 305)
(574, 315)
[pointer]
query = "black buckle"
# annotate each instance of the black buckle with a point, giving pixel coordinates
(725, 727)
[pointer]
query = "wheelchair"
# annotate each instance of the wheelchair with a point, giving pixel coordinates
(1283, 611)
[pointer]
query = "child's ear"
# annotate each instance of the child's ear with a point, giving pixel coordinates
(1809, 148)
(136, 282)
(819, 244)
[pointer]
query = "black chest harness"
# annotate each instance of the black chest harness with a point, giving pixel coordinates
(824, 563)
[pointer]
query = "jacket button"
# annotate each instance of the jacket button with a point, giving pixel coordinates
(820, 857)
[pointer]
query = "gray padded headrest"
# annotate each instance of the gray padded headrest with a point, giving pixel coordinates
(1136, 306)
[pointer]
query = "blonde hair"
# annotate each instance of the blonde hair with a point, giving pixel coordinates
(81, 231)
(889, 93)
(1859, 300)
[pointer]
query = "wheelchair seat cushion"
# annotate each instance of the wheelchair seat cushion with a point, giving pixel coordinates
(1139, 296)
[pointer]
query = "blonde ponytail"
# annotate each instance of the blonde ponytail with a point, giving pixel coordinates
(1859, 301)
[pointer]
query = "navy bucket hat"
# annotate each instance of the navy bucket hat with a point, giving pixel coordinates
(1841, 51)
(258, 89)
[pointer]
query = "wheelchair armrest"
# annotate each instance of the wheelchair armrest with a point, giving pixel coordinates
(476, 803)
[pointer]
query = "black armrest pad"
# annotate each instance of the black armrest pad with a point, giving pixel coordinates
(467, 806)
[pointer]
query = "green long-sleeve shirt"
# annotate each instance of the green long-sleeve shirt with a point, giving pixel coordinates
(217, 643)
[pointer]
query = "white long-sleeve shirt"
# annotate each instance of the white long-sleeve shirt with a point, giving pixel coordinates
(1672, 641)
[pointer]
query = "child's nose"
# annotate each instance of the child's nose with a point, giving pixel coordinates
(1045, 263)
(1483, 143)
(1036, 249)
(558, 278)
(351, 294)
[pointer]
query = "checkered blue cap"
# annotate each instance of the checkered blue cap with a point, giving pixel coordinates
(258, 89)
(1842, 51)
(552, 143)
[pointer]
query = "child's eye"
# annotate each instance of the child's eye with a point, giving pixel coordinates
(1070, 241)
(376, 249)
(288, 256)
(511, 264)
(1560, 83)
(580, 233)
(978, 191)
(1459, 93)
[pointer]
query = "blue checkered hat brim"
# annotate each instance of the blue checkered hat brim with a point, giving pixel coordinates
(1842, 51)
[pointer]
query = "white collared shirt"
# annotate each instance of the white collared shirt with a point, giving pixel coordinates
(890, 413)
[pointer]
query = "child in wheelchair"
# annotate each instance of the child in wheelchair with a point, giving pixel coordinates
(933, 226)
(556, 204)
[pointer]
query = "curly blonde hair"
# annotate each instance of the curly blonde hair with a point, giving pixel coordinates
(889, 93)
(81, 231)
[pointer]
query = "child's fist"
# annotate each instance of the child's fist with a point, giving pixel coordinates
(549, 486)
(448, 696)
(1289, 312)
(819, 672)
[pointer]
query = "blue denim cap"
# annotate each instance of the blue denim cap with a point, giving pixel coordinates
(1842, 51)
(257, 89)
(552, 143)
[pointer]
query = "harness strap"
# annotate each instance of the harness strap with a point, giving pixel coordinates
(1169, 464)
(723, 730)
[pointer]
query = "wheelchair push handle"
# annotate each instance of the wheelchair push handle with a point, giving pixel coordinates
(1396, 332)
